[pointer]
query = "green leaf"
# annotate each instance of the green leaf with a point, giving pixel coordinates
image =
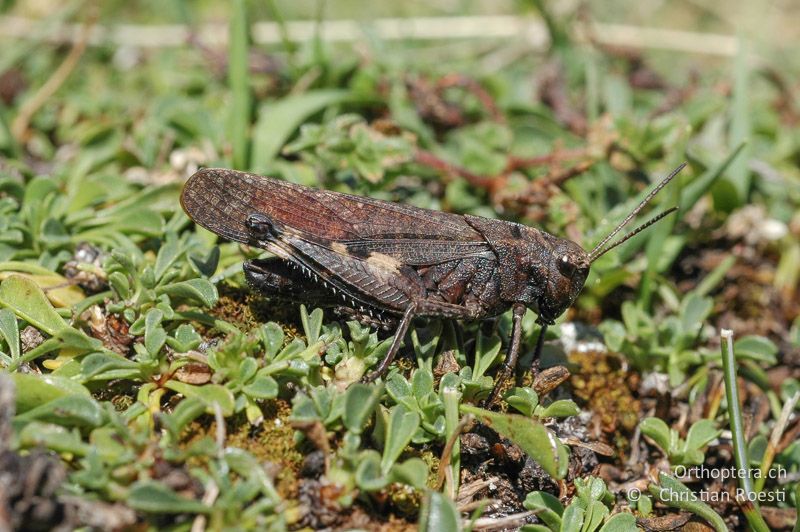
(572, 519)
(9, 329)
(673, 493)
(359, 403)
(613, 334)
(262, 387)
(531, 435)
(185, 338)
(37, 189)
(154, 334)
(621, 522)
(168, 253)
(272, 338)
(716, 276)
(700, 434)
(53, 437)
(425, 341)
(644, 505)
(398, 387)
(739, 174)
(28, 302)
(756, 448)
(199, 290)
(486, 351)
(36, 390)
(590, 489)
(247, 369)
(756, 348)
(547, 507)
(248, 466)
(560, 408)
(401, 428)
(70, 411)
(120, 284)
(413, 472)
(594, 515)
(207, 393)
(277, 120)
(368, 473)
(206, 266)
(694, 310)
(438, 513)
(143, 222)
(523, 399)
(154, 497)
(106, 442)
(78, 340)
(421, 383)
(658, 431)
(312, 323)
(107, 365)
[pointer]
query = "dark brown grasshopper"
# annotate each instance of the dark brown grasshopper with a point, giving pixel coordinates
(385, 262)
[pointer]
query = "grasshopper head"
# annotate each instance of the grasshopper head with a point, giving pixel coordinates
(569, 263)
(566, 274)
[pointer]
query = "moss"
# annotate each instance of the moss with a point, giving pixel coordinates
(405, 500)
(122, 402)
(272, 442)
(432, 461)
(602, 385)
(233, 306)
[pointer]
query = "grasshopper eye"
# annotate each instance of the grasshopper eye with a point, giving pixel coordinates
(566, 267)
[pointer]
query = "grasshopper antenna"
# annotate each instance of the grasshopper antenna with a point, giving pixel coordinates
(601, 249)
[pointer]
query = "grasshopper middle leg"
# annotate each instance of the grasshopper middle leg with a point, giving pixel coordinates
(510, 365)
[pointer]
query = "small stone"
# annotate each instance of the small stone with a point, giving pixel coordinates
(30, 338)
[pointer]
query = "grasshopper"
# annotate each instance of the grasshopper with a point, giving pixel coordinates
(387, 263)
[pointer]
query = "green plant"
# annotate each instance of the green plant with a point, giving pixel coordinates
(352, 147)
(674, 493)
(588, 510)
(671, 344)
(675, 343)
(351, 358)
(526, 400)
(352, 466)
(678, 450)
(419, 396)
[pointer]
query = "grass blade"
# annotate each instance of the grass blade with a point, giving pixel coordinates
(239, 84)
(286, 41)
(693, 191)
(739, 174)
(277, 120)
(749, 507)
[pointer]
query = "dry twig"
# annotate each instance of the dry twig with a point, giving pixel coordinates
(20, 125)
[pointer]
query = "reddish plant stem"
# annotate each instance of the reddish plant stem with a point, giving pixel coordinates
(486, 99)
(493, 184)
(426, 158)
